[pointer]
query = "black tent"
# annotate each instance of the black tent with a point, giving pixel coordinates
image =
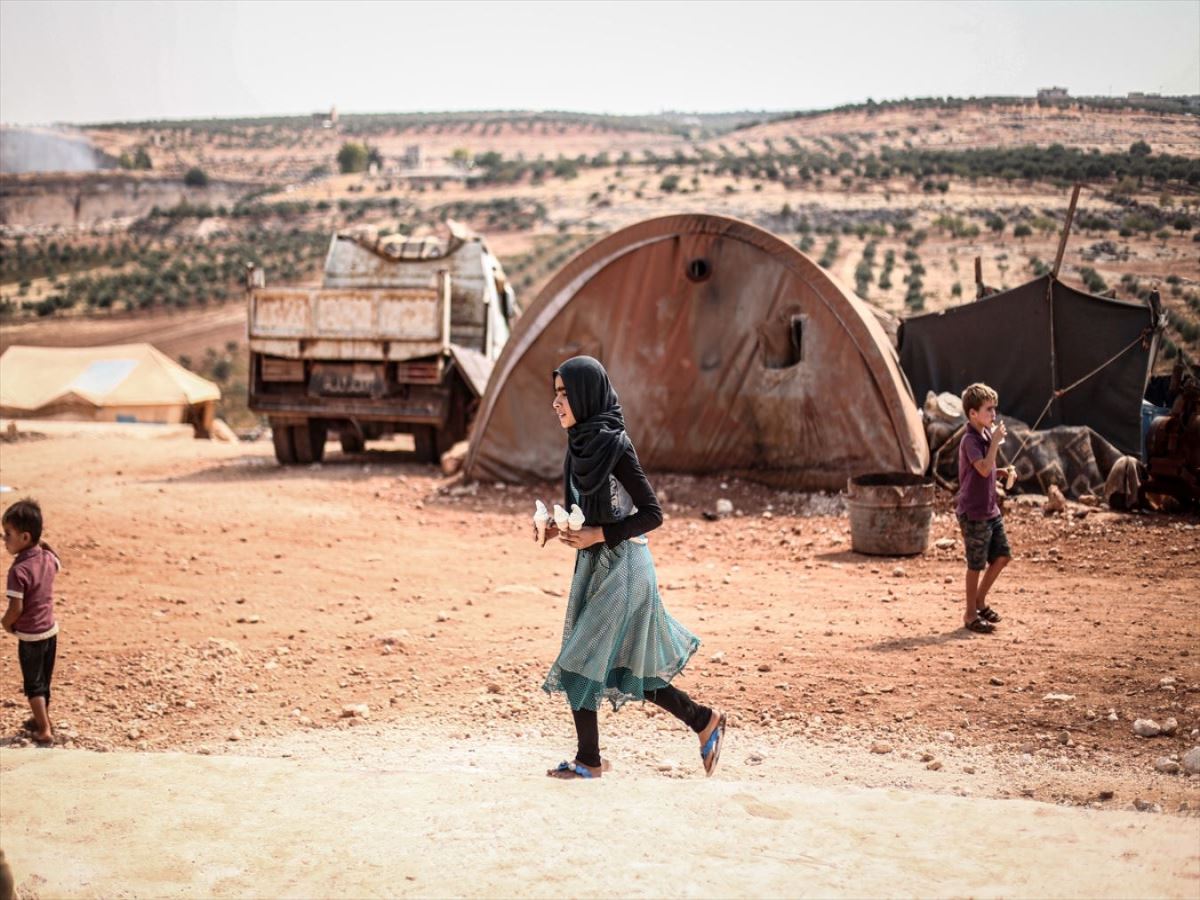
(1033, 340)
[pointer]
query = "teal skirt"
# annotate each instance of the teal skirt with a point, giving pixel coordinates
(618, 641)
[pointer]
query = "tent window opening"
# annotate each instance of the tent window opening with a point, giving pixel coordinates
(783, 347)
(698, 270)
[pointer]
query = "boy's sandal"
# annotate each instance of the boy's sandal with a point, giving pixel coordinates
(979, 626)
(989, 615)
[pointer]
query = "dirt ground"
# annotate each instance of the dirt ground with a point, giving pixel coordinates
(214, 602)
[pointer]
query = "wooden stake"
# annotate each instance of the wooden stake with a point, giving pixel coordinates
(1062, 241)
(978, 277)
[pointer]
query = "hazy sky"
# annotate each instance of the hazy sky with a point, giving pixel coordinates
(98, 61)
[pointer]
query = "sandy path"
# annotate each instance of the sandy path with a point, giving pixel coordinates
(183, 826)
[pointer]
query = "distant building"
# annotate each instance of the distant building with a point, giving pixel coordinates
(1052, 93)
(325, 119)
(412, 156)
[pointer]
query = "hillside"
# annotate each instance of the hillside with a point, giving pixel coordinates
(896, 201)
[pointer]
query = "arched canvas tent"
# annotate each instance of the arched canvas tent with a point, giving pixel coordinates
(731, 351)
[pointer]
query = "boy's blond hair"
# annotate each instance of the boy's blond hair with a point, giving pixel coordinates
(976, 395)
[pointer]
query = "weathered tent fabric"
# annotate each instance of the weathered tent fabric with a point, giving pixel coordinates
(128, 380)
(731, 351)
(1031, 340)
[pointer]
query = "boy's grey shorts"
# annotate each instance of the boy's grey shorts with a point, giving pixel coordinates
(985, 541)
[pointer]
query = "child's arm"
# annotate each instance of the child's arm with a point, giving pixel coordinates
(987, 462)
(15, 606)
(15, 588)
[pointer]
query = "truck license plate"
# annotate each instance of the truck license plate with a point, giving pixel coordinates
(347, 381)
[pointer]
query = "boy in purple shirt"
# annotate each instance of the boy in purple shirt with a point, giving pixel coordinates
(30, 613)
(979, 517)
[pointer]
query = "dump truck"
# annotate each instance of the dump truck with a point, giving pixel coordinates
(400, 337)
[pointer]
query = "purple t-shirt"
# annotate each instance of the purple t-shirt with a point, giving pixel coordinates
(976, 494)
(31, 580)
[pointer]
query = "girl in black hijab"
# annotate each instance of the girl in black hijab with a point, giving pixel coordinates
(619, 643)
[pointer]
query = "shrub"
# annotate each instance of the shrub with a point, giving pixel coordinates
(1022, 230)
(669, 184)
(1093, 280)
(353, 157)
(196, 178)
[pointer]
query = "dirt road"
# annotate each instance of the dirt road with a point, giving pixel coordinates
(214, 602)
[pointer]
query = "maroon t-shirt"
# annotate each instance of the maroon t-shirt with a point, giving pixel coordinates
(976, 494)
(31, 578)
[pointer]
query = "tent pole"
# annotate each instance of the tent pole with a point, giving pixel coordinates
(1062, 241)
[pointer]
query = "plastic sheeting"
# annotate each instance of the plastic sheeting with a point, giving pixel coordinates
(732, 352)
(1031, 340)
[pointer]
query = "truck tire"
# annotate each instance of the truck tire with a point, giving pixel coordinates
(425, 443)
(309, 441)
(285, 450)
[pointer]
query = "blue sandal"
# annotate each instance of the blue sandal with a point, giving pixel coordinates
(710, 753)
(575, 770)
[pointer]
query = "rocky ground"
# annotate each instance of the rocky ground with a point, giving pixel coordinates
(216, 603)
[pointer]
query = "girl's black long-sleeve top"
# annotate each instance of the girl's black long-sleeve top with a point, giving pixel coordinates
(628, 471)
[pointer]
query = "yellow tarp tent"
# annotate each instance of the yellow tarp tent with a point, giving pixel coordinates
(119, 383)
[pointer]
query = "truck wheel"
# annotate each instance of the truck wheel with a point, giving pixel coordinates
(285, 449)
(425, 441)
(309, 440)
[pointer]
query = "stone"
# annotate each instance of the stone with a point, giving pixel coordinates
(667, 765)
(881, 747)
(944, 543)
(755, 758)
(452, 460)
(1170, 726)
(934, 765)
(998, 682)
(1146, 805)
(1191, 761)
(898, 572)
(1106, 794)
(1146, 728)
(724, 508)
(718, 657)
(1166, 765)
(1055, 501)
(356, 711)
(1059, 698)
(235, 735)
(443, 617)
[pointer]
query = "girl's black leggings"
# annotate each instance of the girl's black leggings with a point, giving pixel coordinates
(673, 700)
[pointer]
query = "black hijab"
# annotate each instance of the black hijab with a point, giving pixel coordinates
(597, 439)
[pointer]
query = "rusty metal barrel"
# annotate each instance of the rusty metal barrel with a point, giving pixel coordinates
(890, 513)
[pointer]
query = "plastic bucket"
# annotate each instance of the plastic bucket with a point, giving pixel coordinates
(890, 513)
